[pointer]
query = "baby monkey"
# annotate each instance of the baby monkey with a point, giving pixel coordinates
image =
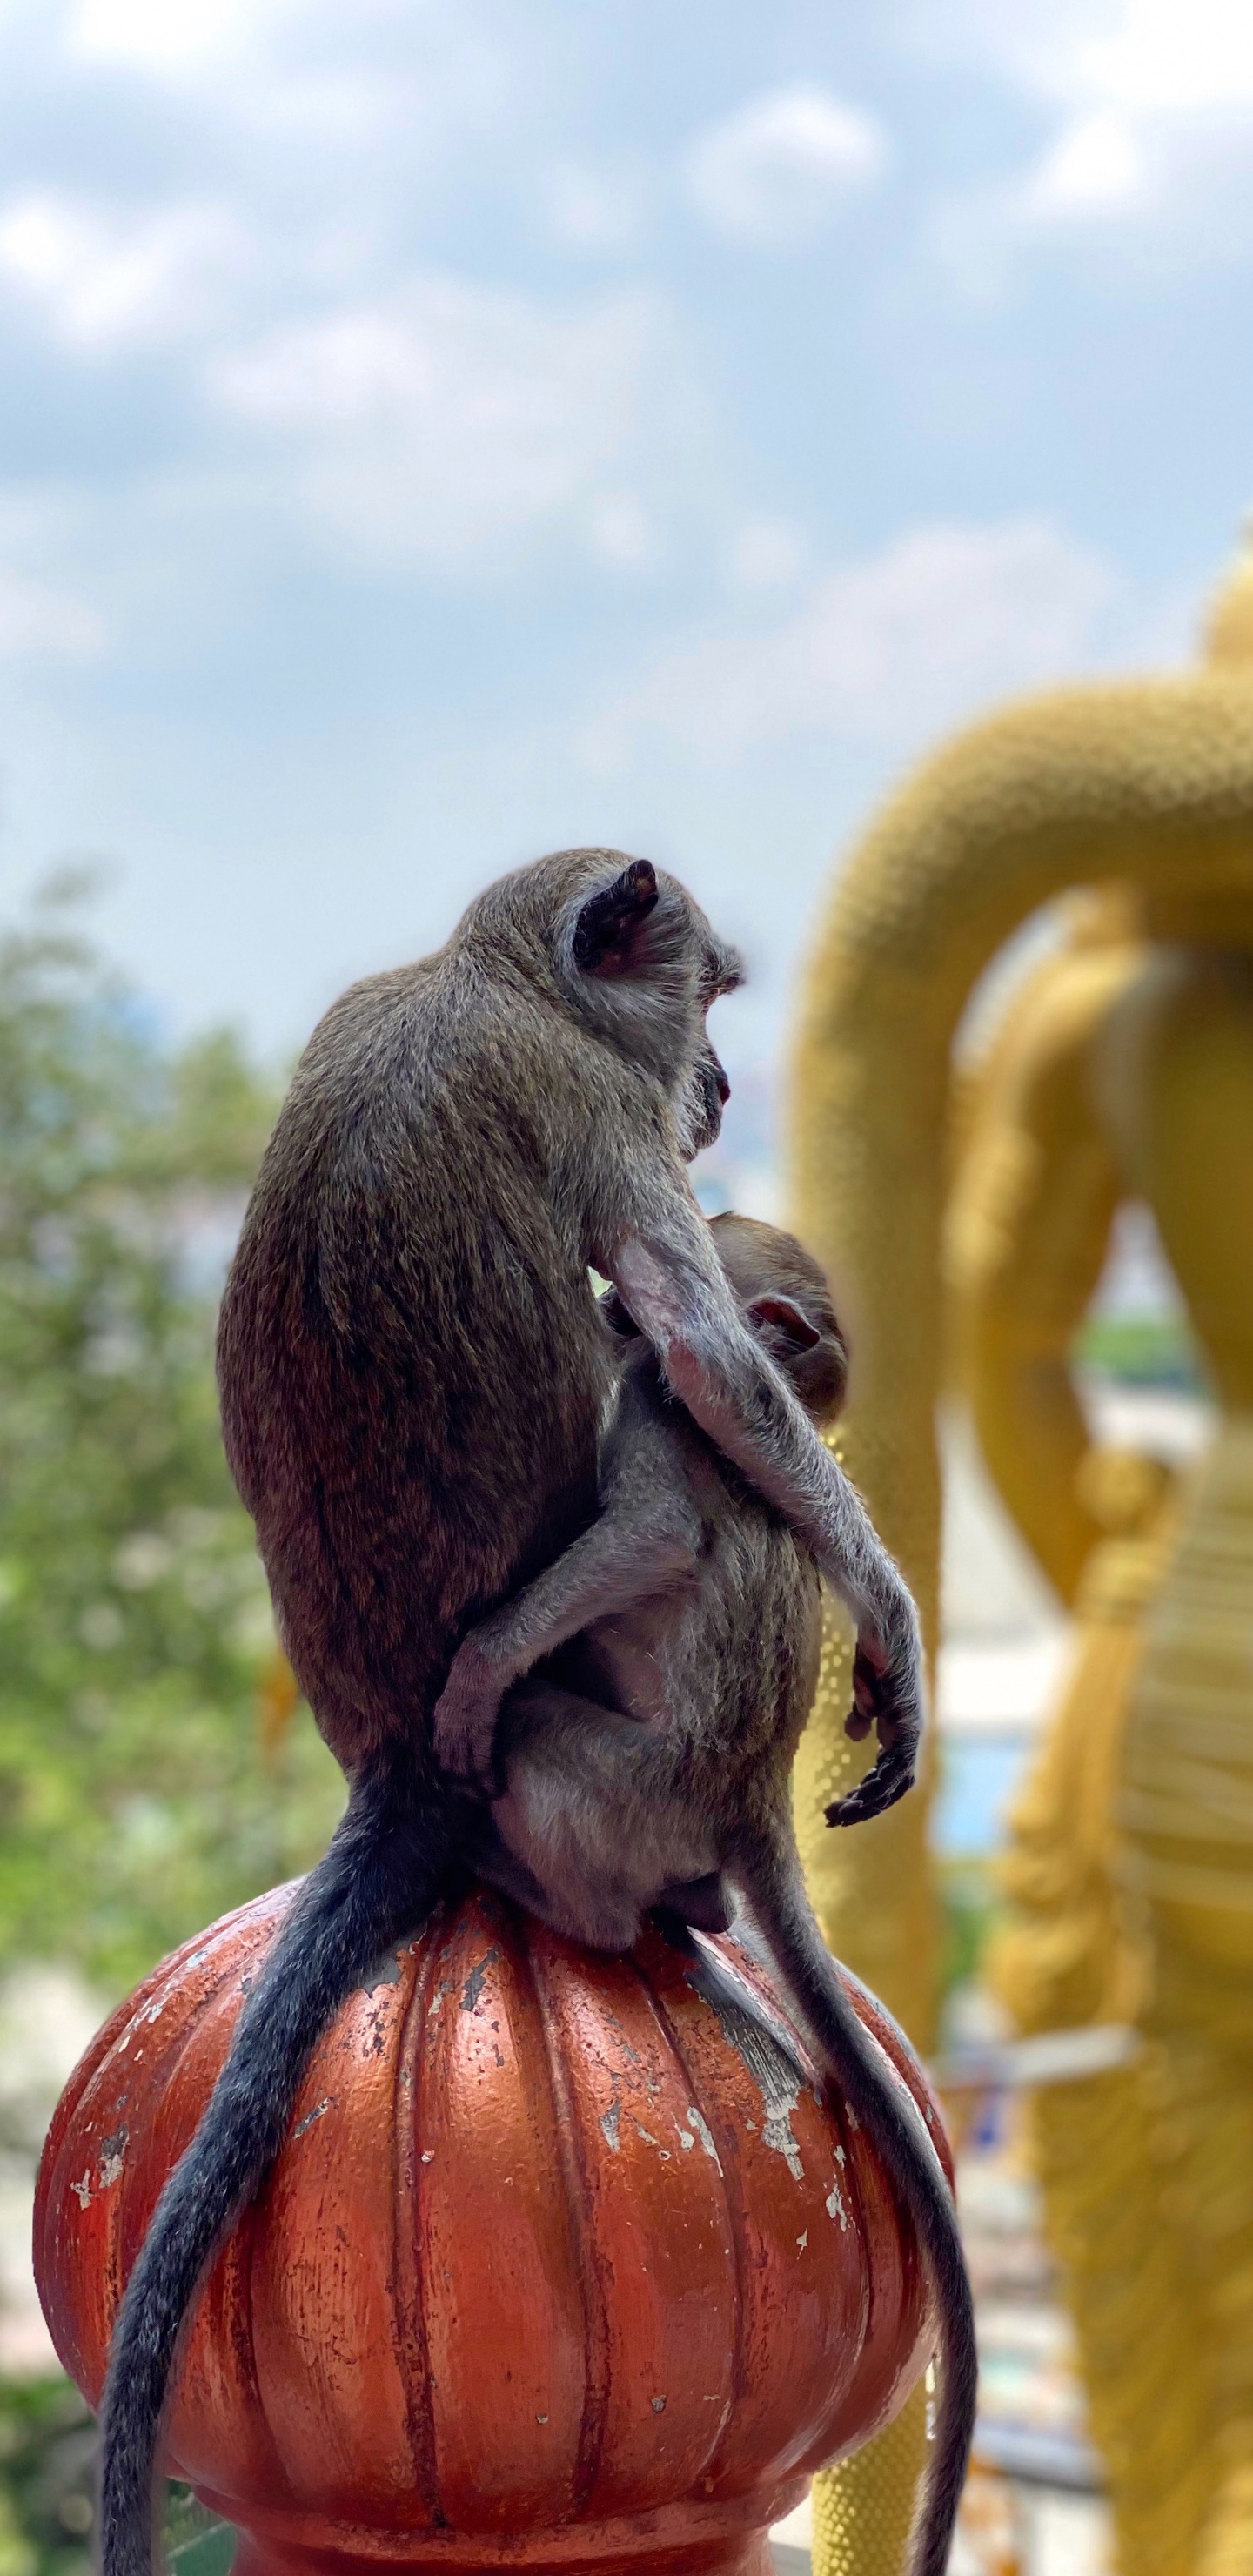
(639, 1705)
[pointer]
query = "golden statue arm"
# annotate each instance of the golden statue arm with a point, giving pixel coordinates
(1027, 1224)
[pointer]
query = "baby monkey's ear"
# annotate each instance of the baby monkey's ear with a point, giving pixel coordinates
(607, 934)
(814, 1362)
(785, 1331)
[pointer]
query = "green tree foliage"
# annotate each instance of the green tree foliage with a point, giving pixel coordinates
(135, 1803)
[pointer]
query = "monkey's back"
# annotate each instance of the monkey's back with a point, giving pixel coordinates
(411, 1365)
(725, 1667)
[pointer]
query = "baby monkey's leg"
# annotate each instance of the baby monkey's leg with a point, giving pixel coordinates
(592, 1812)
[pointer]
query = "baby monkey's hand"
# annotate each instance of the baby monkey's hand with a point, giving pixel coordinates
(887, 1694)
(464, 1720)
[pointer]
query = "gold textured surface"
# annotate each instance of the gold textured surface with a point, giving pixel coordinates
(863, 2512)
(1147, 2171)
(1187, 1812)
(1149, 785)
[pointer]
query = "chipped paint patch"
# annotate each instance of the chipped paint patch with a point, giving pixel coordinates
(646, 2135)
(763, 2044)
(112, 2157)
(699, 2125)
(835, 2206)
(610, 2121)
(802, 2241)
(385, 1972)
(659, 2405)
(477, 1979)
(83, 2190)
(777, 2132)
(311, 2116)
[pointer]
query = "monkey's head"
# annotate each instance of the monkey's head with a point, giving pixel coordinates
(786, 1299)
(629, 950)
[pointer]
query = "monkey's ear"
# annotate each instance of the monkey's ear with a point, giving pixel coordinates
(607, 933)
(785, 1331)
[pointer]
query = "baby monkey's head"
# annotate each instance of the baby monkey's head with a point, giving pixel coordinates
(788, 1303)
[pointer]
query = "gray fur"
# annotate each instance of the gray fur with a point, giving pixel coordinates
(414, 1376)
(670, 1659)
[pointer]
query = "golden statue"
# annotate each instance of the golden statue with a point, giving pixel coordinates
(1029, 1216)
(1149, 785)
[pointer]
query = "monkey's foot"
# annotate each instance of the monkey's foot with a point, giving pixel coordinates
(463, 1725)
(702, 1902)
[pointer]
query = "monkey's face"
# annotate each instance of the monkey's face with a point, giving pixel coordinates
(639, 960)
(702, 1103)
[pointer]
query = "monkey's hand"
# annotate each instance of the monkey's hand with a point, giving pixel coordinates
(464, 1720)
(887, 1695)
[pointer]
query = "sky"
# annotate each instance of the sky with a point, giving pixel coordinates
(435, 431)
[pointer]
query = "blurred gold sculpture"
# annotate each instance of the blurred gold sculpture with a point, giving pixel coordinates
(1029, 1218)
(1147, 784)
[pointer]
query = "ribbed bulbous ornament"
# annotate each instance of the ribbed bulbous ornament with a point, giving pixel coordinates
(564, 2265)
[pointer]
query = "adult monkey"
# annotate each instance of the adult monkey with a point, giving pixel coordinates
(413, 1375)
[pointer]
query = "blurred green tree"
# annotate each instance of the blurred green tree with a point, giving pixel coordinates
(136, 1798)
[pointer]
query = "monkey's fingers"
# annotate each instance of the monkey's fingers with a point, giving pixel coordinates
(872, 1696)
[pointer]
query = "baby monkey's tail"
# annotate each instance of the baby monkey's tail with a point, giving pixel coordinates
(379, 1878)
(772, 1885)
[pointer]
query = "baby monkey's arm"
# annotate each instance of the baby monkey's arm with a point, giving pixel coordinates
(645, 1540)
(669, 1279)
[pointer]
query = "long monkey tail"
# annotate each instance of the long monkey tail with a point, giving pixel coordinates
(382, 1872)
(771, 1881)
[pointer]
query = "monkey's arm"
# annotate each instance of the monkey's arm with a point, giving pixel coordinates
(673, 1285)
(645, 1541)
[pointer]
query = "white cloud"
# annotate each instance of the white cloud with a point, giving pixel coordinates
(168, 37)
(1153, 138)
(1096, 165)
(1146, 57)
(107, 281)
(886, 652)
(450, 419)
(1134, 56)
(384, 77)
(39, 624)
(777, 170)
